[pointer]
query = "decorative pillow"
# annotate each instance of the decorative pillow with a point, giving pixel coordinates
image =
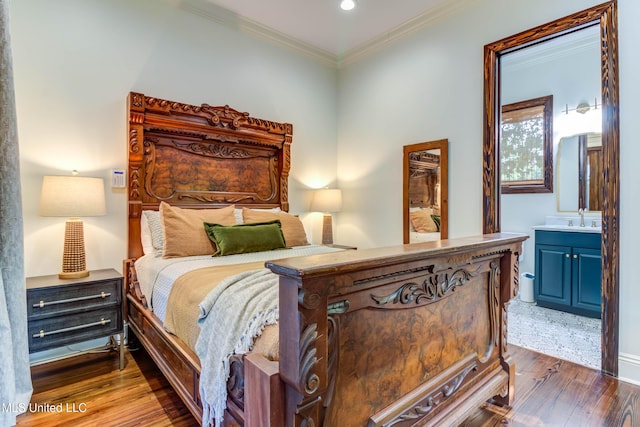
(183, 232)
(422, 221)
(145, 236)
(292, 227)
(436, 221)
(154, 225)
(245, 238)
(238, 213)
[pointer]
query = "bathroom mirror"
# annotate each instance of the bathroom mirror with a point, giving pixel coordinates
(604, 17)
(579, 172)
(425, 207)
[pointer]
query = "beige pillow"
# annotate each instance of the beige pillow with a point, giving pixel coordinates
(422, 221)
(183, 229)
(292, 227)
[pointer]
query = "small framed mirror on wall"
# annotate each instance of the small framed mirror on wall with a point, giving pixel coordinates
(425, 192)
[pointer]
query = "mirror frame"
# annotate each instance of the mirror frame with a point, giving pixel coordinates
(546, 186)
(442, 145)
(606, 16)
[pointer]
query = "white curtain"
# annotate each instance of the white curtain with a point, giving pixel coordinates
(15, 377)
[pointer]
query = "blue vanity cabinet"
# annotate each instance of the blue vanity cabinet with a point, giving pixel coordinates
(568, 271)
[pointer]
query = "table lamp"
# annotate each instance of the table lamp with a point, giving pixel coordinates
(327, 200)
(72, 197)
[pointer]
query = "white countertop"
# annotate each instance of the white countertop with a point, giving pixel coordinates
(567, 228)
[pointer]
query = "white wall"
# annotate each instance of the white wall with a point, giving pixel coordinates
(629, 31)
(429, 86)
(75, 61)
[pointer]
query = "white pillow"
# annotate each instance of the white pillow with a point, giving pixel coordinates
(154, 227)
(145, 236)
(238, 213)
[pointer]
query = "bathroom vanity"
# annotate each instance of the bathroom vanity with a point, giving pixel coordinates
(568, 269)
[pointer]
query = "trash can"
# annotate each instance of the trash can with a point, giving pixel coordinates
(526, 287)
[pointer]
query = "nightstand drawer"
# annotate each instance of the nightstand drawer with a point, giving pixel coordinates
(62, 330)
(72, 298)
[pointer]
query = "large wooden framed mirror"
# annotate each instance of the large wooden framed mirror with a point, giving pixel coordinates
(604, 16)
(425, 210)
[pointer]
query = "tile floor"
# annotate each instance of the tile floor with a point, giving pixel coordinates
(556, 333)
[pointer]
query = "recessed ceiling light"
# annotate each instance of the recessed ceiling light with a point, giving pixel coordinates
(347, 4)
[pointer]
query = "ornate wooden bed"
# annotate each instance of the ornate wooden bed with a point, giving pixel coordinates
(405, 335)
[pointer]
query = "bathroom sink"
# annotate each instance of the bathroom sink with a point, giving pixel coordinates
(569, 228)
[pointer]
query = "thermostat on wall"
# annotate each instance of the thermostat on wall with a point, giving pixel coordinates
(118, 178)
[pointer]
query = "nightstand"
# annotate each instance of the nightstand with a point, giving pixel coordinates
(68, 311)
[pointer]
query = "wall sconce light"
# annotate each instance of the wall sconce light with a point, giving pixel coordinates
(582, 107)
(327, 200)
(72, 197)
(347, 4)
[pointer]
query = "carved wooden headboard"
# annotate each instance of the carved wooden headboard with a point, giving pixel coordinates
(202, 157)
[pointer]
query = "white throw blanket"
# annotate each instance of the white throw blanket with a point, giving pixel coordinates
(231, 316)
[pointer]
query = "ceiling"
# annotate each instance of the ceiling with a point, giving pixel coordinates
(322, 25)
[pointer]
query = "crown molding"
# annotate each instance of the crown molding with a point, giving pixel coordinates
(427, 18)
(232, 20)
(568, 45)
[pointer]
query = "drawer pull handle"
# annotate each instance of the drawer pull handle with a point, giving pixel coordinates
(102, 295)
(42, 333)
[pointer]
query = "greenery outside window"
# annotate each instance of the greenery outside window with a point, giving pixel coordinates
(526, 148)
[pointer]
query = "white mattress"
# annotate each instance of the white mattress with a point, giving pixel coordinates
(156, 275)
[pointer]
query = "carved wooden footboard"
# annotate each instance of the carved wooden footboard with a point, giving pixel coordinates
(414, 334)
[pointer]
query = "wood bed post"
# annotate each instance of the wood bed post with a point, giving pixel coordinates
(135, 131)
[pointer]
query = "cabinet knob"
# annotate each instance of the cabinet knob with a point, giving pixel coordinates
(575, 256)
(567, 255)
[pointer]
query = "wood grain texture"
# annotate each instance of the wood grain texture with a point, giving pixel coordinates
(201, 156)
(604, 15)
(102, 395)
(428, 317)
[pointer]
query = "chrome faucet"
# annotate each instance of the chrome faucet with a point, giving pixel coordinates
(581, 213)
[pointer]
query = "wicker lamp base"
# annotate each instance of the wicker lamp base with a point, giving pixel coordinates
(74, 264)
(327, 229)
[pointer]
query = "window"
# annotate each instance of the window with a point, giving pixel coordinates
(526, 159)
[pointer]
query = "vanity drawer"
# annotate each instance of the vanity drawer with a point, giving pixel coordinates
(568, 238)
(72, 298)
(57, 331)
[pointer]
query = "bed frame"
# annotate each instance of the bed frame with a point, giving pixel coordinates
(406, 335)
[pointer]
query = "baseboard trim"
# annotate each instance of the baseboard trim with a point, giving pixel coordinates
(629, 368)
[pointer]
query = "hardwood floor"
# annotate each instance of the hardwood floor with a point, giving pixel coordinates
(136, 396)
(549, 392)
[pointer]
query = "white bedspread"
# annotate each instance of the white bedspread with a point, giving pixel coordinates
(156, 275)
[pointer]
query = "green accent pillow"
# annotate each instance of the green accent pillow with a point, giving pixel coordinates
(245, 238)
(436, 220)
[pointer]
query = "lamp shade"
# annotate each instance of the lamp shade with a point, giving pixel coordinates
(72, 196)
(326, 200)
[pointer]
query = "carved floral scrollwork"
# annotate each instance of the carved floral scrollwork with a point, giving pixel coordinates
(134, 147)
(308, 359)
(434, 287)
(434, 399)
(136, 99)
(134, 184)
(494, 308)
(215, 150)
(309, 300)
